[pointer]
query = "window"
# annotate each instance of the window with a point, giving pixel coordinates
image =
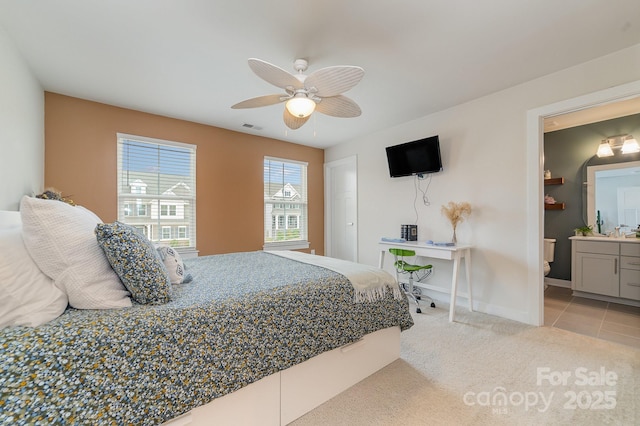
(142, 230)
(157, 189)
(138, 187)
(142, 209)
(182, 232)
(168, 210)
(292, 222)
(135, 209)
(285, 204)
(166, 233)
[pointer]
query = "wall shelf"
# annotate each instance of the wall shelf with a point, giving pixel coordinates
(554, 181)
(556, 206)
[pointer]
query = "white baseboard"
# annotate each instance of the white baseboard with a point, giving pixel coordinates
(557, 282)
(501, 311)
(440, 294)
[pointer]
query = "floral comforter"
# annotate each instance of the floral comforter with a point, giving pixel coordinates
(244, 317)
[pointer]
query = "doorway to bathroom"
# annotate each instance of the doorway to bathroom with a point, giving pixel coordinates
(535, 161)
(570, 158)
(558, 307)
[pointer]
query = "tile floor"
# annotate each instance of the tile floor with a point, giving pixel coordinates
(604, 320)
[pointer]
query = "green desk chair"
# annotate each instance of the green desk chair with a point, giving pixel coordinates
(420, 271)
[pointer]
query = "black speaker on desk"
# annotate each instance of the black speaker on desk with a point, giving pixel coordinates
(409, 232)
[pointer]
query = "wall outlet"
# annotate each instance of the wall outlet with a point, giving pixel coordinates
(313, 251)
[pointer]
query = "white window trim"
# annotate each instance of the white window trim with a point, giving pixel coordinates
(185, 252)
(157, 141)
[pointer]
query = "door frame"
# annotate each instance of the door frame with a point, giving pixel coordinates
(535, 188)
(328, 202)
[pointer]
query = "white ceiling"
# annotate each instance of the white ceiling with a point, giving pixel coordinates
(188, 59)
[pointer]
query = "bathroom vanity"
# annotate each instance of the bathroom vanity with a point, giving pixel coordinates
(606, 268)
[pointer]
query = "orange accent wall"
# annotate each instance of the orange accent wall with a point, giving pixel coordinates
(81, 156)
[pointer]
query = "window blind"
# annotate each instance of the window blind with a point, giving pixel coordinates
(285, 203)
(157, 189)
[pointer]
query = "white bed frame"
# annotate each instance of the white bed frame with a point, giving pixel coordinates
(282, 397)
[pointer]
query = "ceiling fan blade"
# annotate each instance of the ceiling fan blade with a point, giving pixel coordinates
(332, 81)
(292, 121)
(274, 75)
(260, 101)
(338, 106)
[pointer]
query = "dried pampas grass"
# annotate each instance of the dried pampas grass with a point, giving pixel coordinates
(456, 213)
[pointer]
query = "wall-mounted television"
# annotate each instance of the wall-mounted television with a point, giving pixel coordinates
(415, 158)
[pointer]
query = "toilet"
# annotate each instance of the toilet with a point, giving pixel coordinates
(549, 251)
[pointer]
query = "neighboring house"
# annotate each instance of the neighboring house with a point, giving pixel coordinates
(283, 215)
(143, 210)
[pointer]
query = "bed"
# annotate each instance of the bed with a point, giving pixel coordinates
(255, 338)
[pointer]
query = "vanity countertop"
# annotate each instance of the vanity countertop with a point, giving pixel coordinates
(605, 238)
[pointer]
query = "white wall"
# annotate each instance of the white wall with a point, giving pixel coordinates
(21, 128)
(486, 162)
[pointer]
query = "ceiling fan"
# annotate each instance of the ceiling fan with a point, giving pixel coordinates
(319, 91)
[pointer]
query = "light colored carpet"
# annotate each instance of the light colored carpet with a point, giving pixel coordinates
(456, 373)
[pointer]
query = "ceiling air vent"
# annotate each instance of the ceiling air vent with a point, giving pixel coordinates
(251, 126)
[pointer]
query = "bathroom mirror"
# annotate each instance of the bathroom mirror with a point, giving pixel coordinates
(613, 196)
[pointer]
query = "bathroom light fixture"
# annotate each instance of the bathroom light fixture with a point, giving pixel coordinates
(630, 145)
(604, 149)
(627, 144)
(300, 105)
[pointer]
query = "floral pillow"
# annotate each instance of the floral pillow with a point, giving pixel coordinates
(136, 262)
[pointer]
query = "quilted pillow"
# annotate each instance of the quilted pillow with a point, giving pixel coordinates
(174, 264)
(136, 262)
(28, 297)
(60, 239)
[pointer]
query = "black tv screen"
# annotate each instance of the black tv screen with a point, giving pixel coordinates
(415, 158)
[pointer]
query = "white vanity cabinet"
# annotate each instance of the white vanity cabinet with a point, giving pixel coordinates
(595, 267)
(602, 266)
(630, 271)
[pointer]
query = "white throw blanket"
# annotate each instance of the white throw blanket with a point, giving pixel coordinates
(369, 283)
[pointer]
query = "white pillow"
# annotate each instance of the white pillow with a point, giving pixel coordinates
(60, 239)
(27, 296)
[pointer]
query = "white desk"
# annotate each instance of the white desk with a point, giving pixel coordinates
(455, 253)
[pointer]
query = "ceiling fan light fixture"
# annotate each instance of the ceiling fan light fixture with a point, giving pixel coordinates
(321, 91)
(300, 106)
